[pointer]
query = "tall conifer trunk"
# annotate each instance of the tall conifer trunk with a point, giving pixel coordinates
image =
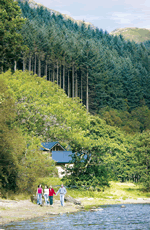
(68, 85)
(30, 63)
(73, 80)
(53, 74)
(39, 68)
(35, 64)
(60, 78)
(49, 75)
(87, 91)
(64, 77)
(46, 69)
(81, 88)
(24, 63)
(76, 87)
(57, 72)
(15, 66)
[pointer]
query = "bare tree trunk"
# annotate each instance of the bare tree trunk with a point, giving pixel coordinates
(30, 63)
(73, 80)
(53, 74)
(87, 91)
(39, 68)
(68, 85)
(76, 88)
(57, 72)
(49, 75)
(60, 78)
(24, 64)
(35, 65)
(64, 77)
(46, 70)
(15, 66)
(81, 88)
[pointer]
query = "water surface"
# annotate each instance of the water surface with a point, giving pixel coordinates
(133, 216)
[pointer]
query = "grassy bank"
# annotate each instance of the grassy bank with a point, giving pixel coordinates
(117, 191)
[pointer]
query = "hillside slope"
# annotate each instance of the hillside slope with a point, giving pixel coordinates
(133, 34)
(34, 4)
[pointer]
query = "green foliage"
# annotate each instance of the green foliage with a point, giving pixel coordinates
(32, 166)
(44, 111)
(11, 41)
(12, 144)
(117, 70)
(100, 152)
(136, 121)
(141, 145)
(21, 163)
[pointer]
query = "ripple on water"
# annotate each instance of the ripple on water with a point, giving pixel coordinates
(132, 216)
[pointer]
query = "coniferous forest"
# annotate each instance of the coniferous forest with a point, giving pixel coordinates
(75, 84)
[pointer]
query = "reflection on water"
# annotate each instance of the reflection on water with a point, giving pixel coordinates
(133, 216)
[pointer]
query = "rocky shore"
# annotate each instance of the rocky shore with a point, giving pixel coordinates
(12, 210)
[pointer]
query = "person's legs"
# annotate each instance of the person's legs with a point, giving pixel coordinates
(62, 200)
(40, 199)
(51, 200)
(45, 197)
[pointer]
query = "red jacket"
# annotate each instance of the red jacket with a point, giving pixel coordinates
(51, 192)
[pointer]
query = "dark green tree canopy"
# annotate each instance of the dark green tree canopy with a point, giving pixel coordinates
(10, 40)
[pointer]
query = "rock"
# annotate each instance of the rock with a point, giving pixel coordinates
(123, 206)
(33, 199)
(72, 200)
(94, 209)
(80, 207)
(51, 213)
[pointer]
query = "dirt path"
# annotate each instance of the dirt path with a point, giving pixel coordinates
(20, 210)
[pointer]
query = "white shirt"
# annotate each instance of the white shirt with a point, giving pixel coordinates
(46, 191)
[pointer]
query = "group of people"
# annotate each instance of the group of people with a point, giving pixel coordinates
(48, 194)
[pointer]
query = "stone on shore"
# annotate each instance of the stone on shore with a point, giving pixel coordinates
(72, 200)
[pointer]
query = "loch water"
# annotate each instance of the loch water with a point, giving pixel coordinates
(132, 216)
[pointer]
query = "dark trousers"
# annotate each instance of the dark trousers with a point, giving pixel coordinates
(51, 200)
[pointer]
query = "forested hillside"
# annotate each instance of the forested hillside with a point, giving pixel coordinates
(101, 69)
(80, 86)
(43, 112)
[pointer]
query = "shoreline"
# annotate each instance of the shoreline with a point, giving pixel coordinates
(14, 211)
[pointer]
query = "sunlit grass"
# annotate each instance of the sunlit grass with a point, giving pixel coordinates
(110, 194)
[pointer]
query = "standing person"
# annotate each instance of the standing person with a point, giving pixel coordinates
(39, 194)
(51, 193)
(62, 192)
(46, 193)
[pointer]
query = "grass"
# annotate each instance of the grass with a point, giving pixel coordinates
(111, 195)
(4, 208)
(116, 191)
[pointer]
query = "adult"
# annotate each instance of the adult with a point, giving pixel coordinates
(51, 193)
(46, 194)
(62, 192)
(39, 194)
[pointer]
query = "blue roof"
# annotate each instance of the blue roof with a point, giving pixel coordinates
(49, 145)
(62, 156)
